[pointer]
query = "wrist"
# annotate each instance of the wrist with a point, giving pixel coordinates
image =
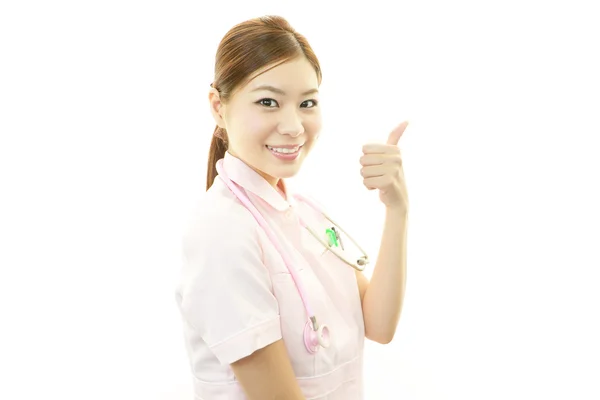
(400, 210)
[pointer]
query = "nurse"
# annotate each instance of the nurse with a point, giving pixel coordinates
(243, 317)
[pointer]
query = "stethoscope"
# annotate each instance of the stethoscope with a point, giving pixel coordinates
(315, 335)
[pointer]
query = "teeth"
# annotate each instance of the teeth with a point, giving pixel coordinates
(285, 151)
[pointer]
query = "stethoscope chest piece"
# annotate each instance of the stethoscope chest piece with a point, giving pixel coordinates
(315, 338)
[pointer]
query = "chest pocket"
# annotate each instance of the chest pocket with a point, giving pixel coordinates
(329, 268)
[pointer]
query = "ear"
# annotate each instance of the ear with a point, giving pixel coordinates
(217, 107)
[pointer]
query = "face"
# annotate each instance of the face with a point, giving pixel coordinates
(274, 120)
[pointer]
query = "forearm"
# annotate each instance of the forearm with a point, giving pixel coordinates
(382, 303)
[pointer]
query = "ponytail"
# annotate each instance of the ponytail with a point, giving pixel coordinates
(218, 147)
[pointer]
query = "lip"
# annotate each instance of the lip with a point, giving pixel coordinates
(286, 146)
(286, 156)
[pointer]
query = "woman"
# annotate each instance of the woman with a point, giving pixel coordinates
(245, 321)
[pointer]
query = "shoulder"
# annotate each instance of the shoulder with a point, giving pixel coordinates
(218, 220)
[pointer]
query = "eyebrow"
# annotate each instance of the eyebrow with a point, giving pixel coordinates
(281, 92)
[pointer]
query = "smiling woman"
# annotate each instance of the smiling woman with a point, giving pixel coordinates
(258, 306)
(270, 122)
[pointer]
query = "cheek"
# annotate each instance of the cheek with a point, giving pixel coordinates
(257, 127)
(251, 129)
(313, 126)
(252, 120)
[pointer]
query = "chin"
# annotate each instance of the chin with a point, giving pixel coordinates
(284, 173)
(288, 175)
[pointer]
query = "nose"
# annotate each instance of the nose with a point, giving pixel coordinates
(291, 124)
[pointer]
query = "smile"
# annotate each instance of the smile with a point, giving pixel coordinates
(284, 150)
(285, 153)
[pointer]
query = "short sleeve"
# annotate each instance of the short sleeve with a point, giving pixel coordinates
(226, 292)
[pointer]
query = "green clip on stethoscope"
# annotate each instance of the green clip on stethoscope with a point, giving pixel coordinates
(315, 335)
(334, 239)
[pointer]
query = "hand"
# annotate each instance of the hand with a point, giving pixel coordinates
(382, 169)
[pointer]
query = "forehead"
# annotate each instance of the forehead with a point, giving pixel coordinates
(293, 77)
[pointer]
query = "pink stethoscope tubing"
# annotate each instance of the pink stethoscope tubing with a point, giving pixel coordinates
(314, 335)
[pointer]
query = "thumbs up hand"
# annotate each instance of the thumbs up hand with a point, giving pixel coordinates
(382, 169)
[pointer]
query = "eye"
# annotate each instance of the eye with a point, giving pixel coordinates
(266, 102)
(315, 102)
(271, 103)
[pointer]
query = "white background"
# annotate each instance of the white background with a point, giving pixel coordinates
(105, 129)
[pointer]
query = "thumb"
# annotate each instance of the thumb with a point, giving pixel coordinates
(396, 134)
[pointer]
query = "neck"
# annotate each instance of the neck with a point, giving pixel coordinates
(276, 183)
(280, 186)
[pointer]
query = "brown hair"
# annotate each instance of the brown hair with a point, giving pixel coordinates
(246, 48)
